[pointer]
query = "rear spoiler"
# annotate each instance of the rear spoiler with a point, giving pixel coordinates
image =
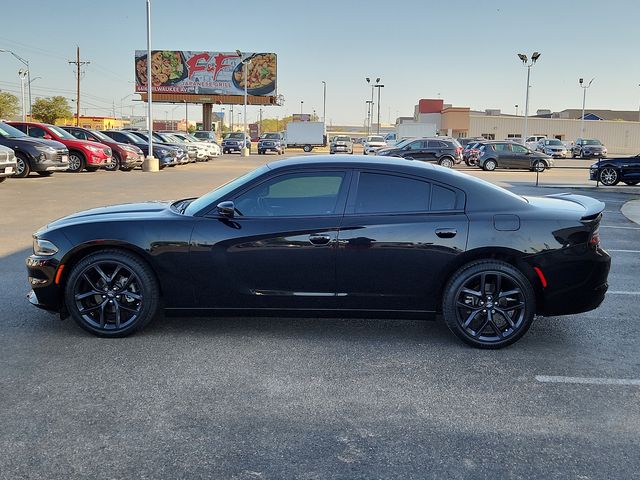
(592, 207)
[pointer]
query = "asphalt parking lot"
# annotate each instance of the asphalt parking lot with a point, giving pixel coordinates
(271, 398)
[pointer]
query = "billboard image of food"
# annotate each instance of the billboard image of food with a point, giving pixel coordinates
(212, 73)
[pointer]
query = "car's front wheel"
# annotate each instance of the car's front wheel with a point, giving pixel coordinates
(539, 166)
(112, 293)
(488, 304)
(609, 176)
(22, 166)
(490, 165)
(76, 162)
(115, 163)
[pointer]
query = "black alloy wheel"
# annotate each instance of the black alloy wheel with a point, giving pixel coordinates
(22, 166)
(112, 293)
(489, 165)
(609, 176)
(76, 162)
(115, 163)
(488, 304)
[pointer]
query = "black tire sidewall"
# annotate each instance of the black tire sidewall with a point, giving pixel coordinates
(149, 285)
(449, 311)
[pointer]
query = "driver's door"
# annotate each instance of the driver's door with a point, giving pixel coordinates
(279, 249)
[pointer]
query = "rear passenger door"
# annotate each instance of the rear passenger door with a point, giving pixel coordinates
(504, 154)
(397, 237)
(521, 157)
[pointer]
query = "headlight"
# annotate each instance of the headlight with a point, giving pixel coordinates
(93, 149)
(43, 247)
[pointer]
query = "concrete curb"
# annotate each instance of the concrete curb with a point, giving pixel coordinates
(631, 210)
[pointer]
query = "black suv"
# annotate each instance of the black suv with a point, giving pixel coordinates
(588, 148)
(497, 154)
(444, 151)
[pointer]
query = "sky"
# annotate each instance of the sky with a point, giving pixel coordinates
(464, 52)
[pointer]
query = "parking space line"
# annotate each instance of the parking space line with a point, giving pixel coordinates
(623, 228)
(622, 292)
(588, 380)
(622, 251)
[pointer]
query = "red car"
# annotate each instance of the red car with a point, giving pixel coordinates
(83, 154)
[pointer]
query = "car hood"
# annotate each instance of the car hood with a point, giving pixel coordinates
(127, 211)
(38, 142)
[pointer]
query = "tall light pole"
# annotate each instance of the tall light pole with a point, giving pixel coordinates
(26, 64)
(584, 101)
(301, 103)
(371, 111)
(324, 102)
(528, 64)
(23, 74)
(245, 66)
(379, 87)
(151, 164)
(516, 109)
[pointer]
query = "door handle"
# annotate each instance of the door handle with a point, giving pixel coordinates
(319, 239)
(446, 232)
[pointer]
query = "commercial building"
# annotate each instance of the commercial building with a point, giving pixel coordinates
(94, 123)
(618, 130)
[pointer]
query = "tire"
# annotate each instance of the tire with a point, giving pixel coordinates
(446, 162)
(224, 151)
(45, 174)
(539, 166)
(631, 183)
(126, 294)
(116, 163)
(92, 169)
(364, 152)
(472, 313)
(609, 176)
(307, 148)
(77, 162)
(23, 169)
(489, 165)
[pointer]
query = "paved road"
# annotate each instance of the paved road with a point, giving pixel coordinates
(249, 398)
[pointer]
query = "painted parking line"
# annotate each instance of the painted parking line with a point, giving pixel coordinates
(622, 251)
(622, 292)
(622, 228)
(588, 380)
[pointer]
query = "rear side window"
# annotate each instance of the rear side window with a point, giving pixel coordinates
(380, 193)
(442, 198)
(434, 144)
(501, 147)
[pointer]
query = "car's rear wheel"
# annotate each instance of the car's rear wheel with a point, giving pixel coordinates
(490, 165)
(446, 162)
(76, 162)
(45, 174)
(307, 148)
(539, 166)
(22, 166)
(488, 304)
(115, 163)
(609, 176)
(112, 293)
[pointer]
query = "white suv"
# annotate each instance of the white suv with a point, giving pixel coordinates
(373, 143)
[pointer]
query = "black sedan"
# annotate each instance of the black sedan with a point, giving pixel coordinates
(611, 171)
(325, 237)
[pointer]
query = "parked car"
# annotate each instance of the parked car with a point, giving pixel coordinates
(471, 148)
(611, 171)
(368, 230)
(444, 151)
(373, 143)
(501, 154)
(588, 148)
(180, 156)
(341, 144)
(532, 141)
(235, 142)
(552, 147)
(194, 153)
(7, 163)
(83, 154)
(271, 142)
(166, 155)
(34, 155)
(391, 139)
(211, 150)
(124, 157)
(205, 136)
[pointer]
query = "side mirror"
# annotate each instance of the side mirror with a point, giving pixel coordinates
(46, 136)
(226, 209)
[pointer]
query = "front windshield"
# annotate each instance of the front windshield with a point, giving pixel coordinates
(404, 142)
(343, 139)
(61, 133)
(101, 136)
(553, 142)
(592, 142)
(236, 135)
(7, 131)
(209, 198)
(272, 136)
(375, 139)
(134, 138)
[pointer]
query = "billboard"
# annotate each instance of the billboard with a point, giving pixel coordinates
(206, 73)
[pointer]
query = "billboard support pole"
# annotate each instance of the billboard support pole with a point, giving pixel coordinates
(150, 164)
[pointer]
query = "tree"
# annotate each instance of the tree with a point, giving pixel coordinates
(8, 105)
(48, 110)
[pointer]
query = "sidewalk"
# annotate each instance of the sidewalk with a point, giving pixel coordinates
(631, 210)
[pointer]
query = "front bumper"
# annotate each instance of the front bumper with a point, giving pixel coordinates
(132, 161)
(45, 293)
(594, 154)
(7, 168)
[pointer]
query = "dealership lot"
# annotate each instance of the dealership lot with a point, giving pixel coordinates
(306, 398)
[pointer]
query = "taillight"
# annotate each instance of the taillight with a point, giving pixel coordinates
(594, 240)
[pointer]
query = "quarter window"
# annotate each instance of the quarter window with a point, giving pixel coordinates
(379, 193)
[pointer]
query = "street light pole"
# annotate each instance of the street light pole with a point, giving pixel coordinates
(379, 87)
(151, 163)
(324, 102)
(245, 67)
(301, 103)
(28, 74)
(526, 63)
(584, 101)
(23, 74)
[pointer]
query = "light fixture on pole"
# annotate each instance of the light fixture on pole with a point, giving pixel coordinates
(528, 64)
(23, 75)
(245, 68)
(516, 109)
(379, 86)
(26, 64)
(584, 100)
(324, 102)
(301, 103)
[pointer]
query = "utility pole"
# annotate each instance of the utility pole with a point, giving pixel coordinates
(78, 64)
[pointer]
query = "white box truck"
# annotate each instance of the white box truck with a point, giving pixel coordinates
(410, 130)
(305, 135)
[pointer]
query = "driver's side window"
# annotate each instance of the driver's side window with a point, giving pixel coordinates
(414, 145)
(296, 194)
